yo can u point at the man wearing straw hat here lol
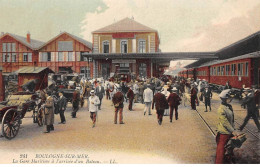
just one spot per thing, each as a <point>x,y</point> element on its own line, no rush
<point>93,107</point>
<point>148,98</point>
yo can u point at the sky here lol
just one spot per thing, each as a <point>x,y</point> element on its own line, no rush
<point>183,25</point>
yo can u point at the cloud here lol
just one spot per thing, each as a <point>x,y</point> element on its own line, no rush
<point>201,25</point>
<point>221,33</point>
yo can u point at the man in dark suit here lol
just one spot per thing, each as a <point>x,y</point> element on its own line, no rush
<point>75,103</point>
<point>118,101</point>
<point>130,96</point>
<point>193,96</point>
<point>257,98</point>
<point>62,107</point>
<point>99,91</point>
<point>207,95</point>
<point>160,105</point>
<point>174,102</point>
<point>249,101</point>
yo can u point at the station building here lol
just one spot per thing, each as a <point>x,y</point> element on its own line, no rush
<point>64,53</point>
<point>17,51</point>
<point>124,47</point>
<point>125,37</point>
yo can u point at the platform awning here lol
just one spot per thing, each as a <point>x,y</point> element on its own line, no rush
<point>30,70</point>
<point>168,56</point>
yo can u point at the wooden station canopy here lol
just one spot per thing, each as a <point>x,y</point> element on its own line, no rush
<point>158,56</point>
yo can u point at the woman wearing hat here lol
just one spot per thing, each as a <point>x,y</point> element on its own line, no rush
<point>166,94</point>
<point>225,127</point>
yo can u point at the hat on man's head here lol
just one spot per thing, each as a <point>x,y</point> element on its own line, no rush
<point>225,94</point>
<point>92,92</point>
<point>61,91</point>
<point>247,89</point>
<point>174,89</point>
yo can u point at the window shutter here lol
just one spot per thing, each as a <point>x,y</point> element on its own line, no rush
<point>52,56</point>
<point>40,56</point>
<point>134,45</point>
<point>29,57</point>
<point>65,56</point>
<point>113,45</point>
<point>78,56</point>
<point>73,56</point>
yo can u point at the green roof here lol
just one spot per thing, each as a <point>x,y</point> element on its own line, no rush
<point>34,70</point>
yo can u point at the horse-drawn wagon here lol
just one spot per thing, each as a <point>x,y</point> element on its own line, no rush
<point>13,110</point>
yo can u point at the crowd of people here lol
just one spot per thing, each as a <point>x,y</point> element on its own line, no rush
<point>165,95</point>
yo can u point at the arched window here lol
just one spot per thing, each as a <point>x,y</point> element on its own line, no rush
<point>105,46</point>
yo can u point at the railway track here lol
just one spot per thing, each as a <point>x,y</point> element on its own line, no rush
<point>238,123</point>
<point>248,146</point>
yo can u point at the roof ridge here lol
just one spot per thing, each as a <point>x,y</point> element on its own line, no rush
<point>134,23</point>
<point>33,44</point>
<point>83,41</point>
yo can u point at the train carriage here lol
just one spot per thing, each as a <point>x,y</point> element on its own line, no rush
<point>239,71</point>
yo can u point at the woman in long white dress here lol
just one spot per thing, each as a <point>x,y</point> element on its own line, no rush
<point>166,93</point>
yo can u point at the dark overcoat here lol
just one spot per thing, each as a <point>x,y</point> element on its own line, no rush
<point>49,111</point>
<point>160,101</point>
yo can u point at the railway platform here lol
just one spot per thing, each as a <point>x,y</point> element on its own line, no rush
<point>140,140</point>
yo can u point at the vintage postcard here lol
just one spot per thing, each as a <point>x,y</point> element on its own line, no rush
<point>92,82</point>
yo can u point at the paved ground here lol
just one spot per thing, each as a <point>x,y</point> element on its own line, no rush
<point>140,140</point>
<point>249,152</point>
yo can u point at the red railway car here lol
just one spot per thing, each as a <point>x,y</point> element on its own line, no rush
<point>203,73</point>
<point>183,74</point>
<point>191,73</point>
<point>239,71</point>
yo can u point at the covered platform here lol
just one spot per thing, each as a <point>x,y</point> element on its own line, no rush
<point>140,64</point>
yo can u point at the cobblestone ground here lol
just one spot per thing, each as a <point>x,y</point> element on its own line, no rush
<point>139,140</point>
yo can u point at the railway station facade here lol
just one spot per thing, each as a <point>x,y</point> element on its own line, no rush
<point>65,52</point>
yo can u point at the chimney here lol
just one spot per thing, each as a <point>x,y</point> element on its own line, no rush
<point>2,33</point>
<point>28,37</point>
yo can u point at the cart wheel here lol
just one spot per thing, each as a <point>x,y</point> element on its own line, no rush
<point>35,120</point>
<point>11,123</point>
<point>40,116</point>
